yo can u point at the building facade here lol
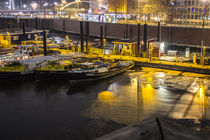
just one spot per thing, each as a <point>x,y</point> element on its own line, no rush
<point>190,12</point>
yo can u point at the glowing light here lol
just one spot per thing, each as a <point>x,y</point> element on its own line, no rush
<point>34,5</point>
<point>162,46</point>
<point>105,96</point>
<point>55,3</point>
<point>46,4</point>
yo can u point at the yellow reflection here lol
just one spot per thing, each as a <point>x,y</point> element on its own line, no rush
<point>170,72</point>
<point>189,74</point>
<point>148,94</point>
<point>202,95</point>
<point>105,96</point>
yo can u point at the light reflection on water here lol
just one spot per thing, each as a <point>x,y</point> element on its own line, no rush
<point>152,92</point>
<point>49,110</point>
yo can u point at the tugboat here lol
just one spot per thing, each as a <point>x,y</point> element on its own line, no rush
<point>76,72</point>
<point>81,77</point>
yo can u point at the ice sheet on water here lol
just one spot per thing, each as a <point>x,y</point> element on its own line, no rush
<point>164,79</point>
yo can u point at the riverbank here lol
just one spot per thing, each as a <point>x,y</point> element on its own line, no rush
<point>162,128</point>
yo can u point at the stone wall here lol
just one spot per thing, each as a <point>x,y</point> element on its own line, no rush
<point>179,35</point>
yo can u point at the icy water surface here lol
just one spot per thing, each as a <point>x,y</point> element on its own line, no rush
<point>54,110</point>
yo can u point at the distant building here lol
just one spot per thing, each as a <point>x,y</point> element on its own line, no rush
<point>126,6</point>
<point>11,5</point>
<point>98,4</point>
<point>190,11</point>
<point>117,6</point>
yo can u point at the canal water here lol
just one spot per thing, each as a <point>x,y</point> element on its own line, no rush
<point>55,110</point>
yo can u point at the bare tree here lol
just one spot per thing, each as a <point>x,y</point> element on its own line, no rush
<point>115,5</point>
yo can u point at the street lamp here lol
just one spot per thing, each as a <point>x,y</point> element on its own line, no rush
<point>24,6</point>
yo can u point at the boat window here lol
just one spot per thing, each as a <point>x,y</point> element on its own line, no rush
<point>29,36</point>
<point>15,37</point>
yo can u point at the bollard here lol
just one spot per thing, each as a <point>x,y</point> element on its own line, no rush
<point>81,36</point>
<point>194,58</point>
<point>45,43</point>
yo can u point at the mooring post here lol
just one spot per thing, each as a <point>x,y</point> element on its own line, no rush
<point>138,40</point>
<point>159,33</point>
<point>64,24</point>
<point>24,32</point>
<point>126,31</point>
<point>105,30</point>
<point>169,34</point>
<point>45,43</point>
<point>145,38</point>
<point>36,22</point>
<point>87,37</point>
<point>131,31</point>
<point>81,36</point>
<point>102,37</point>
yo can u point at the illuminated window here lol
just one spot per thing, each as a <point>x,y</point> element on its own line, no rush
<point>15,37</point>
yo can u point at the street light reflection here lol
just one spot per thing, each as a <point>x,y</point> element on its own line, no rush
<point>105,96</point>
<point>149,92</point>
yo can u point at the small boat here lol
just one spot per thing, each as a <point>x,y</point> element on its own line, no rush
<point>21,69</point>
<point>86,77</point>
<point>85,71</point>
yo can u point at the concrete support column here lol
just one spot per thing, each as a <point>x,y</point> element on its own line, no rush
<point>101,44</point>
<point>45,43</point>
<point>145,38</point>
<point>81,36</point>
<point>138,39</point>
<point>159,33</point>
<point>87,36</point>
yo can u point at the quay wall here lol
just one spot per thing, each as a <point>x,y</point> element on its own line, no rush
<point>178,35</point>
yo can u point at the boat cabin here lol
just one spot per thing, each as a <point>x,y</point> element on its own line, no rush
<point>18,37</point>
<point>27,49</point>
<point>125,47</point>
<point>10,57</point>
<point>11,66</point>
